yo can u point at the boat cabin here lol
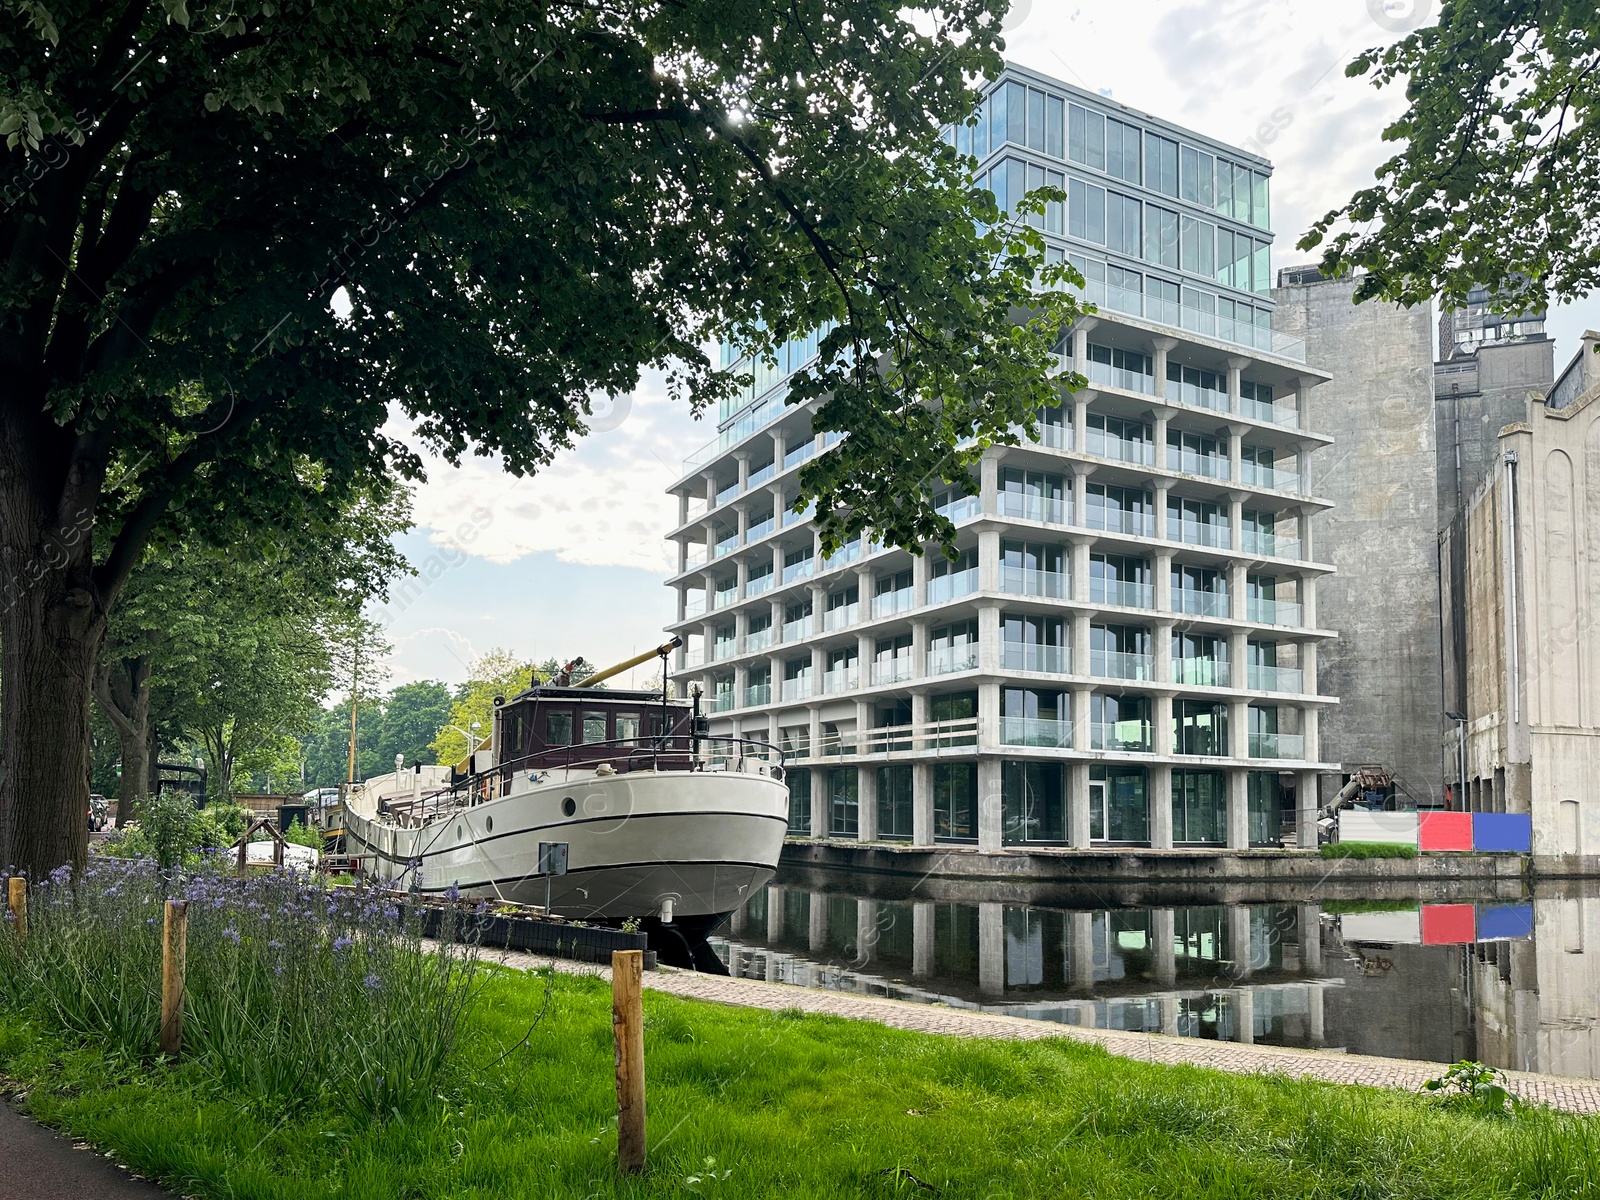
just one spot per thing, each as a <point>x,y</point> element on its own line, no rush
<point>550,726</point>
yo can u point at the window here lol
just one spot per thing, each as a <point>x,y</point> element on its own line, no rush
<point>1113,366</point>
<point>1120,723</point>
<point>1032,803</point>
<point>955,802</point>
<point>1118,509</point>
<point>1200,660</point>
<point>844,808</point>
<point>1258,201</point>
<point>594,727</point>
<point>1265,795</point>
<point>1122,150</point>
<point>1161,237</point>
<point>558,729</point>
<point>953,647</point>
<point>1123,232</point>
<point>1160,164</point>
<point>1235,252</point>
<point>954,707</point>
<point>1198,249</point>
<point>759,579</point>
<point>1119,579</point>
<point>1016,97</point>
<point>799,803</point>
<point>1086,137</point>
<point>1199,807</point>
<point>1034,495</point>
<point>627,727</point>
<point>1119,808</point>
<point>1086,212</point>
<point>894,803</point>
<point>1035,117</point>
<point>1053,218</point>
<point>1032,643</point>
<point>1054,113</point>
<point>1196,176</point>
<point>1200,727</point>
<point>1262,268</point>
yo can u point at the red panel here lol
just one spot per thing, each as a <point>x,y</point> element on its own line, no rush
<point>1447,924</point>
<point>1445,831</point>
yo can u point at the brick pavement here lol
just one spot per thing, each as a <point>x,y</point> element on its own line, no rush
<point>1559,1092</point>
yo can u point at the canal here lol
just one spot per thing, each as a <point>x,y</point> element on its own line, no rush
<point>1510,978</point>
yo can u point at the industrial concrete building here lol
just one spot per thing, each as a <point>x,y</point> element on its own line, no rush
<point>1522,625</point>
<point>1124,650</point>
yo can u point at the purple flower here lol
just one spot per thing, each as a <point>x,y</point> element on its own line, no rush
<point>274,945</point>
<point>373,982</point>
<point>452,892</point>
<point>231,934</point>
<point>61,874</point>
<point>342,943</point>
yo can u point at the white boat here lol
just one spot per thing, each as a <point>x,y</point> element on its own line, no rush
<point>660,821</point>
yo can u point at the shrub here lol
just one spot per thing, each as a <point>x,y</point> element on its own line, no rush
<point>293,991</point>
<point>174,832</point>
<point>301,836</point>
<point>1368,850</point>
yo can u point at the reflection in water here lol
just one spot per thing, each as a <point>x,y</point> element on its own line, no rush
<point>1395,978</point>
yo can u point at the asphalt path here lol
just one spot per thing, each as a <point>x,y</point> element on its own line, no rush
<point>39,1164</point>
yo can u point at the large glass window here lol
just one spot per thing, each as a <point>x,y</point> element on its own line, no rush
<point>1200,660</point>
<point>953,647</point>
<point>1035,717</point>
<point>1118,509</point>
<point>558,729</point>
<point>1120,723</point>
<point>800,802</point>
<point>1161,236</point>
<point>1119,579</point>
<point>894,803</point>
<point>1055,114</point>
<point>1032,801</point>
<point>1160,164</point>
<point>1033,495</point>
<point>844,809</point>
<point>1086,212</point>
<point>960,708</point>
<point>1086,137</point>
<point>1124,229</point>
<point>949,578</point>
<point>1033,569</point>
<point>1119,806</point>
<point>1264,790</point>
<point>1122,150</point>
<point>1199,247</point>
<point>1200,727</point>
<point>1032,643</point>
<point>1199,807</point>
<point>1196,176</point>
<point>1115,367</point>
<point>955,802</point>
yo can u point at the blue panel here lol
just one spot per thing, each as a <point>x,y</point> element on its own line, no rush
<point>1502,831</point>
<point>1505,921</point>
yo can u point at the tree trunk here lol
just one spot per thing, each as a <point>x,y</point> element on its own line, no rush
<point>122,689</point>
<point>50,637</point>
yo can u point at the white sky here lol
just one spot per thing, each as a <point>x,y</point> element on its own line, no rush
<point>573,561</point>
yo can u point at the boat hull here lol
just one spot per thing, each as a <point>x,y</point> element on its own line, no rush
<point>690,843</point>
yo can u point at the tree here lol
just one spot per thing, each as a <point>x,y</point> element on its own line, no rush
<point>412,716</point>
<point>497,673</point>
<point>523,205</point>
<point>1498,181</point>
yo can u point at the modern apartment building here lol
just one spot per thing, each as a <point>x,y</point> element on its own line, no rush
<point>1123,651</point>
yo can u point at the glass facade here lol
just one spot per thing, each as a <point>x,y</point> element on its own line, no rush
<point>844,809</point>
<point>1033,803</point>
<point>799,803</point>
<point>1119,805</point>
<point>955,802</point>
<point>1199,807</point>
<point>894,803</point>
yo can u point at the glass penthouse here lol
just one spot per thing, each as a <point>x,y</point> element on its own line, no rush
<point>1124,651</point>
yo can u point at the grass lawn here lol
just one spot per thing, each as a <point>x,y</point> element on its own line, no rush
<point>791,1106</point>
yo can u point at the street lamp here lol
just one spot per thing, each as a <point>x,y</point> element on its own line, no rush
<point>1461,755</point>
<point>472,739</point>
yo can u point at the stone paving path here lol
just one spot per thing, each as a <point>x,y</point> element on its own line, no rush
<point>1559,1092</point>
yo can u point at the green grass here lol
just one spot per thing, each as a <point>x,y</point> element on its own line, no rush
<point>1344,907</point>
<point>1368,850</point>
<point>793,1106</point>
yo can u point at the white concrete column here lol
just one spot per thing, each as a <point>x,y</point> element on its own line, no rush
<point>1244,1001</point>
<point>1159,494</point>
<point>1080,425</point>
<point>989,638</point>
<point>1161,654</point>
<point>1239,941</point>
<point>989,560</point>
<point>919,578</point>
<point>1308,667</point>
<point>1236,520</point>
<point>1079,571</point>
<point>1238,726</point>
<point>1238,810</point>
<point>1235,366</point>
<point>1161,579</point>
<point>1307,547</point>
<point>1236,452</point>
<point>991,949</point>
<point>922,939</point>
<point>683,507</point>
<point>1163,345</point>
<point>1169,1006</point>
<point>921,804</point>
<point>989,810</point>
<point>1238,575</point>
<point>1159,428</point>
<point>820,806</point>
<point>1078,805</point>
<point>779,441</point>
<point>1080,951</point>
<point>1160,792</point>
<point>867,799</point>
<point>989,481</point>
<point>818,924</point>
<point>1163,947</point>
<point>1316,1017</point>
<point>1306,802</point>
<point>1082,714</point>
<point>1310,722</point>
<point>1080,343</point>
<point>1308,599</point>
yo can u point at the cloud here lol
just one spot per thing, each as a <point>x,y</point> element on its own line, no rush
<point>431,653</point>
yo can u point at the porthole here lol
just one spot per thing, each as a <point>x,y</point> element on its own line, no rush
<point>488,824</point>
<point>569,806</point>
<point>458,833</point>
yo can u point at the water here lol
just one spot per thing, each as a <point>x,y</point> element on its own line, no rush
<point>1509,977</point>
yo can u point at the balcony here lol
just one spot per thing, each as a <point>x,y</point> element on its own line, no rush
<point>1274,414</point>
<point>841,617</point>
<point>846,553</point>
<point>797,689</point>
<point>1026,581</point>
<point>695,558</point>
<point>840,679</point>
<point>1199,603</point>
<point>1123,592</point>
<point>1036,731</point>
<point>760,529</point>
<point>757,584</point>
<point>761,475</point>
<point>1052,510</point>
<point>694,608</point>
<point>1116,664</point>
<point>1276,679</point>
<point>891,670</point>
<point>723,597</point>
<point>1195,395</point>
<point>1129,737</point>
<point>1272,612</point>
<point>694,658</point>
<point>935,735</point>
<point>1278,745</point>
<point>758,639</point>
<point>1270,545</point>
<point>726,494</point>
<point>1253,474</point>
<point>722,701</point>
<point>757,694</point>
<point>944,660</point>
<point>722,648</point>
<point>800,453</point>
<point>1120,449</point>
<point>1200,533</point>
<point>1201,672</point>
<point>964,509</point>
<point>799,570</point>
<point>1057,437</point>
<point>1106,375</point>
<point>1190,462</point>
<point>1019,656</point>
<point>948,587</point>
<point>798,630</point>
<point>886,604</point>
<point>1120,520</point>
<point>790,517</point>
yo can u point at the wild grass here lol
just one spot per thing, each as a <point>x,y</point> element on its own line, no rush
<point>1368,850</point>
<point>746,1103</point>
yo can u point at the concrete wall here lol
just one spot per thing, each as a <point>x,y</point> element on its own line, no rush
<point>1382,533</point>
<point>1470,420</point>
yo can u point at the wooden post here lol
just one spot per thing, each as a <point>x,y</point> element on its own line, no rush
<point>244,840</point>
<point>627,1022</point>
<point>174,953</point>
<point>17,901</point>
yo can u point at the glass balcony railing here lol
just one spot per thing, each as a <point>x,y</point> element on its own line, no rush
<point>760,529</point>
<point>726,494</point>
<point>757,584</point>
<point>948,587</point>
<point>840,679</point>
<point>726,546</point>
<point>1034,508</point>
<point>1057,437</point>
<point>1124,592</point>
<point>1120,520</point>
<point>1272,612</point>
<point>1201,672</point>
<point>695,558</point>
<point>1131,737</point>
<point>797,689</point>
<point>694,658</point>
<point>1115,664</point>
<point>1198,603</point>
<point>722,701</point>
<point>1018,656</point>
<point>846,553</point>
<point>964,509</point>
<point>790,517</point>
<point>758,639</point>
<point>891,670</point>
<point>944,660</point>
<point>1276,414</point>
<point>1190,462</point>
<point>1270,545</point>
<point>721,650</point>
<point>797,630</point>
<point>724,597</point>
<point>1276,679</point>
<point>798,455</point>
<point>1278,745</point>
<point>1199,533</point>
<point>799,570</point>
<point>1105,375</point>
<point>886,604</point>
<point>1120,449</point>
<point>842,617</point>
<point>694,608</point>
<point>761,475</point>
<point>1036,731</point>
<point>1199,397</point>
<point>1027,581</point>
<point>757,694</point>
<point>1254,474</point>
